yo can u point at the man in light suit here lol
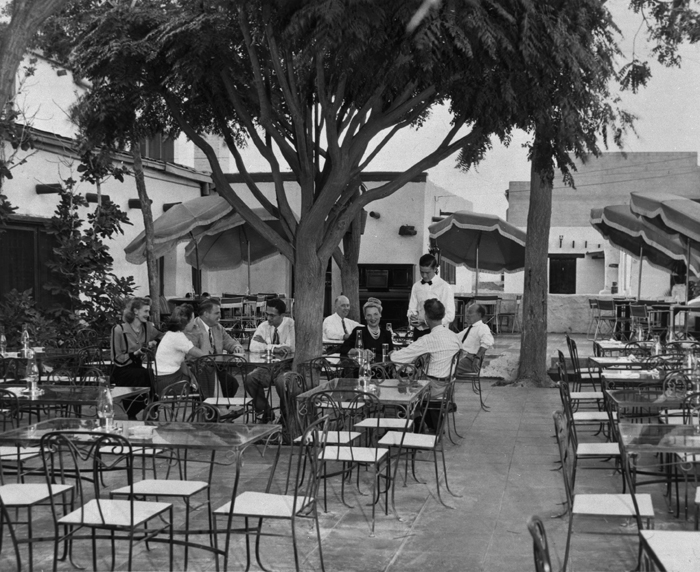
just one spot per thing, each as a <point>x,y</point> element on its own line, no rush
<point>209,335</point>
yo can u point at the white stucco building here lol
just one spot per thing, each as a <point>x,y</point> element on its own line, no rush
<point>176,173</point>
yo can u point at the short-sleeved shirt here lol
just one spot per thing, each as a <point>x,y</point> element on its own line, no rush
<point>171,352</point>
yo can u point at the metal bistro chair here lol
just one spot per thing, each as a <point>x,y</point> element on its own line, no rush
<point>509,312</point>
<point>413,442</point>
<point>234,366</point>
<point>606,318</point>
<point>184,488</point>
<point>540,548</point>
<point>594,505</point>
<point>73,458</point>
<point>301,504</point>
<point>19,495</point>
<point>360,406</point>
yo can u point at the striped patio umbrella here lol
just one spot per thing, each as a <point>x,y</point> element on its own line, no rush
<point>182,222</point>
<point>479,241</point>
<point>676,215</point>
<point>641,240</point>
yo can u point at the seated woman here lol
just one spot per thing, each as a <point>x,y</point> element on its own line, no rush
<point>373,335</point>
<point>130,341</point>
<point>174,348</point>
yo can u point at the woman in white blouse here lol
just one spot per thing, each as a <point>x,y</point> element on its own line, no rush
<point>174,348</point>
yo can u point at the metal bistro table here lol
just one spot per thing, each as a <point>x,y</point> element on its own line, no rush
<point>639,401</point>
<point>225,437</point>
<point>67,395</point>
<point>391,391</point>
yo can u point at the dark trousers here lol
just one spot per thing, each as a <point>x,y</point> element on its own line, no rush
<point>207,379</point>
<point>132,376</point>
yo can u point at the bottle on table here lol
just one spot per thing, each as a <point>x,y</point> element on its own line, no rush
<point>358,340</point>
<point>32,371</point>
<point>365,372</point>
<point>3,342</point>
<point>105,405</point>
<point>24,340</point>
<point>658,350</point>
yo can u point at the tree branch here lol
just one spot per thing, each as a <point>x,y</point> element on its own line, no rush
<point>222,185</point>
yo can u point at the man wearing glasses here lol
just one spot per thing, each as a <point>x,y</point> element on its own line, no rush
<point>278,332</point>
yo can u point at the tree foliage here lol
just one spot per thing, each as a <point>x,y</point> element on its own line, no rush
<point>82,270</point>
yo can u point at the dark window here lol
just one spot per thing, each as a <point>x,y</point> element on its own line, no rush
<point>562,275</point>
<point>448,272</point>
<point>25,248</point>
<point>159,148</point>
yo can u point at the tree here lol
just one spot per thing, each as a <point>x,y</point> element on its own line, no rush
<point>311,91</point>
<point>323,87</point>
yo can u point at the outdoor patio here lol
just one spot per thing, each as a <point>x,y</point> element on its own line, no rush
<point>503,468</point>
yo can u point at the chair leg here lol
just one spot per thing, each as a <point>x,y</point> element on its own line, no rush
<point>257,545</point>
<point>444,470</point>
<point>247,545</point>
<point>437,481</point>
<point>318,536</point>
<point>568,541</point>
<point>375,478</point>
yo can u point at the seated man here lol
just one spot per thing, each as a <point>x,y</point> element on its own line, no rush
<point>278,332</point>
<point>337,326</point>
<point>476,339</point>
<point>441,343</point>
<point>207,334</point>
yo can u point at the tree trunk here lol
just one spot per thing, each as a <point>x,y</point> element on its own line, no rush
<point>151,261</point>
<point>309,285</point>
<point>349,273</point>
<point>27,16</point>
<point>533,344</point>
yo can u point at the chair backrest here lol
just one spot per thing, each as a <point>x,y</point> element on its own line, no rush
<point>204,413</point>
<point>422,364</point>
<point>78,457</point>
<point>573,354</point>
<point>407,372</point>
<point>637,349</point>
<point>638,311</point>
<point>606,306</point>
<point>540,547</point>
<point>10,413</point>
<point>691,409</point>
<point>177,390</point>
<point>173,409</point>
<point>293,384</point>
<point>566,455</point>
<point>454,362</point>
<point>309,469</point>
<point>327,403</point>
<point>12,369</point>
<point>380,372</point>
<point>315,371</point>
<point>677,384</point>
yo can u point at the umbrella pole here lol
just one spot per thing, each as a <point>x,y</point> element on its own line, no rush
<point>478,242</point>
<point>687,278</point>
<point>198,287</point>
<point>248,262</point>
<point>639,280</point>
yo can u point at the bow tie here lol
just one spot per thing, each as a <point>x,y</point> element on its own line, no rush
<point>428,282</point>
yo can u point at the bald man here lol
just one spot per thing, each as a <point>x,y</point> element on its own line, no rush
<point>337,327</point>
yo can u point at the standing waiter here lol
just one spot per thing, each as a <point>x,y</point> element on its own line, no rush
<point>430,286</point>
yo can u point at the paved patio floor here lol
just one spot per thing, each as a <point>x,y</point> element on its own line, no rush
<point>503,472</point>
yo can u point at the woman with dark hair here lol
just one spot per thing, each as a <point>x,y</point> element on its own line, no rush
<point>130,341</point>
<point>174,348</point>
<point>373,334</point>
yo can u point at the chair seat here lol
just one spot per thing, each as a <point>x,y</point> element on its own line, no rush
<point>591,417</point>
<point>612,505</point>
<point>410,440</point>
<point>597,449</point>
<point>228,401</point>
<point>338,437</point>
<point>581,395</point>
<point>163,487</point>
<point>264,505</point>
<point>353,454</point>
<point>676,549</point>
<point>386,423</point>
<point>114,513</point>
<point>10,453</point>
<point>29,494</point>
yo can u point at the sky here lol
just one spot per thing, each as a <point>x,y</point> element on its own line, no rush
<point>668,112</point>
